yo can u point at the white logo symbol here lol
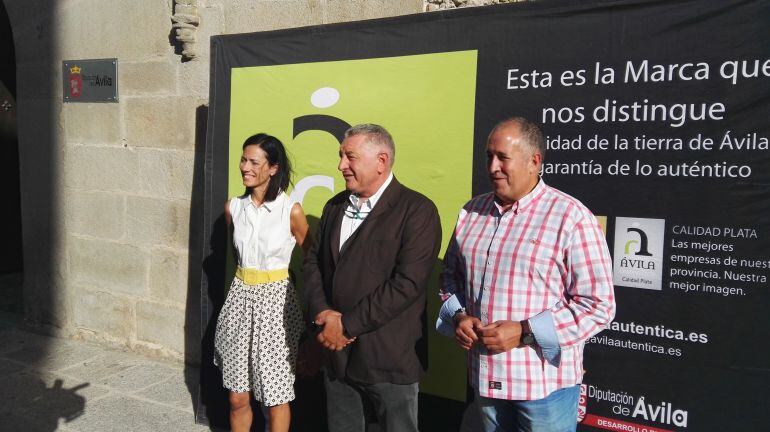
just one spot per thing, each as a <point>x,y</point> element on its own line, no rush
<point>324,97</point>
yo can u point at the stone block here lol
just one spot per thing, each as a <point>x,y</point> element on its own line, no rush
<point>148,78</point>
<point>212,23</point>
<point>39,133</point>
<point>87,123</point>
<point>194,75</point>
<point>40,185</point>
<point>160,324</point>
<point>95,214</point>
<point>124,29</point>
<point>39,81</point>
<point>162,222</point>
<point>108,266</point>
<point>103,312</point>
<point>34,33</point>
<point>245,16</point>
<point>355,10</point>
<point>168,276</point>
<point>185,9</point>
<point>167,123</point>
<point>42,287</point>
<point>101,168</point>
<point>167,174</point>
<point>28,13</point>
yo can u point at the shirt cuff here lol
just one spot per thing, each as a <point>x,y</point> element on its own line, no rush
<point>445,323</point>
<point>545,334</point>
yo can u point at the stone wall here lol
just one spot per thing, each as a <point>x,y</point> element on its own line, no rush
<point>107,189</point>
<point>433,5</point>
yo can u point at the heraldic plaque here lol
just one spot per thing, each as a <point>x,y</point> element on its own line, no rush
<point>93,80</point>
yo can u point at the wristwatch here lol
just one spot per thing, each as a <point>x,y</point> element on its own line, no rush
<point>527,337</point>
<point>457,313</point>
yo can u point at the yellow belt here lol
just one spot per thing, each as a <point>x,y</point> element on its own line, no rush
<point>254,276</point>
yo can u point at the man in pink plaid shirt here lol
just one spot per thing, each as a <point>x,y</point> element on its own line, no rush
<point>527,280</point>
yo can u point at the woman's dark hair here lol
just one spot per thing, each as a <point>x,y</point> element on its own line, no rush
<point>276,155</point>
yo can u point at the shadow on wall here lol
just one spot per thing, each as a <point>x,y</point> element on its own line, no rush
<point>11,299</point>
<point>31,400</point>
<point>205,295</point>
<point>38,160</point>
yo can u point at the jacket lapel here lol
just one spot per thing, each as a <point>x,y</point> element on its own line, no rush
<point>336,223</point>
<point>383,206</point>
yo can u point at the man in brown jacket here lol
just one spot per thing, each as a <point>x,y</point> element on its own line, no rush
<point>365,287</point>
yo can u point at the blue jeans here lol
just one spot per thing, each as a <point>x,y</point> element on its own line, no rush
<point>556,412</point>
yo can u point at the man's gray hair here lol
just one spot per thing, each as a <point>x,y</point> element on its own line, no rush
<point>378,136</point>
<point>529,132</point>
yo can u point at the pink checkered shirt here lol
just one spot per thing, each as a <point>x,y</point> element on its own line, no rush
<point>547,253</point>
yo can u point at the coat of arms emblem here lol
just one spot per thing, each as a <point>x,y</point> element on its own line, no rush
<point>76,82</point>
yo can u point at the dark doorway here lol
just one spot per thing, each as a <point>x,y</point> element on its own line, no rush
<point>11,299</point>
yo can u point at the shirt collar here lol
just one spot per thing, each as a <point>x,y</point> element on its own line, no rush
<point>268,205</point>
<point>372,201</point>
<point>524,201</point>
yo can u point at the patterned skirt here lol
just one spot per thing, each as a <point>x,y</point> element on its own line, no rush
<point>256,340</point>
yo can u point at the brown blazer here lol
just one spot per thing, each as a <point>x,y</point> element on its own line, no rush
<point>378,282</point>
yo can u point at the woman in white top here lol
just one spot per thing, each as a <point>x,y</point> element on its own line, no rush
<point>260,323</point>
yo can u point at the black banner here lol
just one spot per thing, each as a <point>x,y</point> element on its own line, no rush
<point>656,116</point>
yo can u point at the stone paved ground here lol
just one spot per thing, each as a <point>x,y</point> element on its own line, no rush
<point>51,384</point>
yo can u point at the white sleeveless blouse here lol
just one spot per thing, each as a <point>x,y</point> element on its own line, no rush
<point>262,235</point>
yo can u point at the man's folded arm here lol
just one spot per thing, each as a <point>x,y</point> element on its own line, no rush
<point>590,298</point>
